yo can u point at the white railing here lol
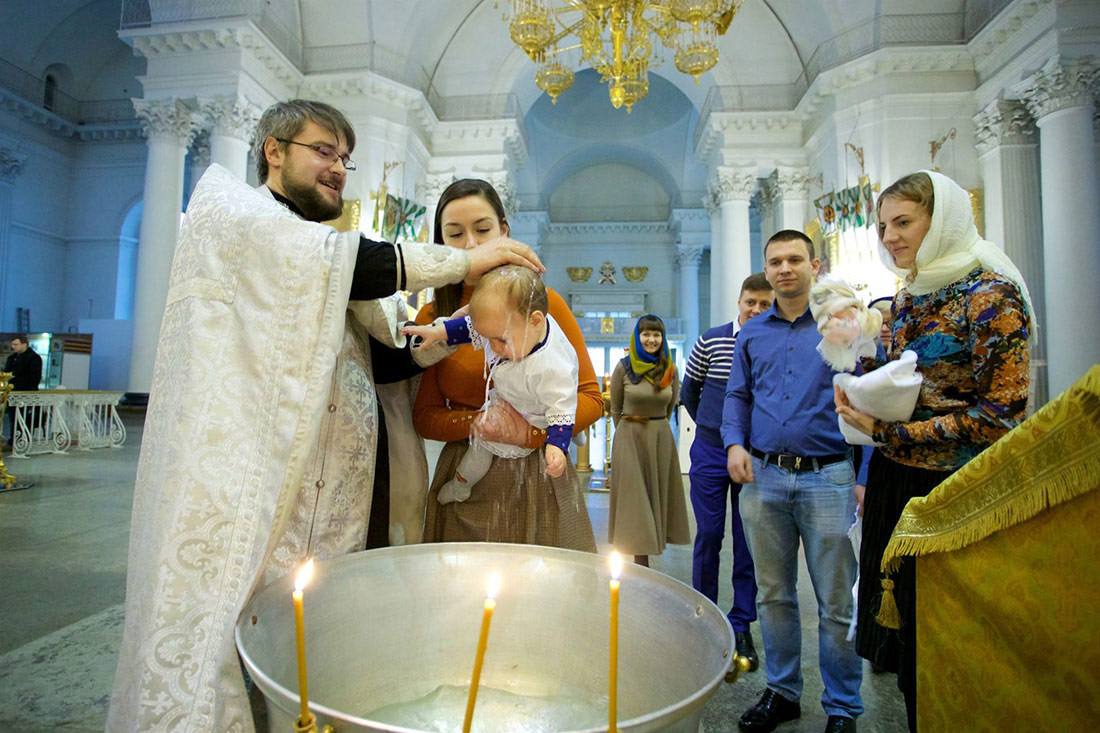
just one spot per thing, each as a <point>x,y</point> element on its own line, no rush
<point>43,419</point>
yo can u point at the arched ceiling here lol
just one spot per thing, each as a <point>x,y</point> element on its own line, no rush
<point>82,34</point>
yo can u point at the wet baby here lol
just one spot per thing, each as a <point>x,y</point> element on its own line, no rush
<point>531,363</point>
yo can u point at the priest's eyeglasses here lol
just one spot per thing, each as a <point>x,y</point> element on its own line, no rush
<point>324,152</point>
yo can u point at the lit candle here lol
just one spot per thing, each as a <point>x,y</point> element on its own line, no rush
<point>299,625</point>
<point>482,642</point>
<point>613,667</point>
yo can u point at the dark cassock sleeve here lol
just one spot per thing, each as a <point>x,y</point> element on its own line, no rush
<point>391,365</point>
<point>379,273</point>
<point>379,270</point>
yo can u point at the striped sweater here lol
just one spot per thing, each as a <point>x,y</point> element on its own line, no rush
<point>703,391</point>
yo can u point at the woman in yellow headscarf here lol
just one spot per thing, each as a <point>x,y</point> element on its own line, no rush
<point>647,490</point>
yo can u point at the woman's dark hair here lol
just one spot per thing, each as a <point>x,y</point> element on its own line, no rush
<point>448,298</point>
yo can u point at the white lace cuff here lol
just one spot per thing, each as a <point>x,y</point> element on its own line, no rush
<point>433,265</point>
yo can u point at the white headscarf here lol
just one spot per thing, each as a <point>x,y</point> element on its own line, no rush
<point>952,247</point>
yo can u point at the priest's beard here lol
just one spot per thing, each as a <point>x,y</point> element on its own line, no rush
<point>314,205</point>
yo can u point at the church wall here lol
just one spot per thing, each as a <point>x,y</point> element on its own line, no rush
<point>609,192</point>
<point>110,178</point>
<point>34,266</point>
<point>623,245</point>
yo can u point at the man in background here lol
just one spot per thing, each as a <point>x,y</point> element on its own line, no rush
<point>25,366</point>
<point>703,394</point>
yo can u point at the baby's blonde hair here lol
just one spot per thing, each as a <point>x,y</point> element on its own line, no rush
<point>520,288</point>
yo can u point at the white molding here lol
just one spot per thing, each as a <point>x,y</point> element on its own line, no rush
<point>36,115</point>
<point>1009,34</point>
<point>59,238</point>
<point>183,39</point>
<point>633,227</point>
<point>847,76</point>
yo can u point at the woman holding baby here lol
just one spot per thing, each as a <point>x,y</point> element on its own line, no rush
<point>517,500</point>
<point>964,309</point>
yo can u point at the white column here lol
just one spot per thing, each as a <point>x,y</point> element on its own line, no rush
<point>793,188</point>
<point>198,156</point>
<point>1061,100</point>
<point>767,201</point>
<point>232,125</point>
<point>734,188</point>
<point>170,126</point>
<point>687,258</point>
<point>1008,156</point>
<point>714,210</point>
<point>11,165</point>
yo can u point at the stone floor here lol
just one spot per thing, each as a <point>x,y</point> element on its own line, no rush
<point>63,544</point>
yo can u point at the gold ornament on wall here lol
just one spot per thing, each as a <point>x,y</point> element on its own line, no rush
<point>635,274</point>
<point>607,274</point>
<point>978,207</point>
<point>348,221</point>
<point>579,274</point>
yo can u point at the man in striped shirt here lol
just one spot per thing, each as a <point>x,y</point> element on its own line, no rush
<point>703,393</point>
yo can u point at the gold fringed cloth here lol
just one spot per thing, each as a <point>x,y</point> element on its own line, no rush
<point>1008,578</point>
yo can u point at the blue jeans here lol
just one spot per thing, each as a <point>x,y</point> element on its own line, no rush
<point>711,489</point>
<point>778,509</point>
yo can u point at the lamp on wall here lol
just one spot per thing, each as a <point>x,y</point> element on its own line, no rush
<point>616,38</point>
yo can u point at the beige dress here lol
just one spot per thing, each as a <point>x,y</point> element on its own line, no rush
<point>647,489</point>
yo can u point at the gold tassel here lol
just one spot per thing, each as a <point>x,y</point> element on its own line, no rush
<point>888,609</point>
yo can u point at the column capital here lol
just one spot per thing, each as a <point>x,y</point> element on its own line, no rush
<point>435,184</point>
<point>760,203</point>
<point>1004,122</point>
<point>505,187</point>
<point>231,116</point>
<point>200,149</point>
<point>11,165</point>
<point>689,255</point>
<point>732,184</point>
<point>168,119</point>
<point>792,182</point>
<point>711,203</point>
<point>1060,85</point>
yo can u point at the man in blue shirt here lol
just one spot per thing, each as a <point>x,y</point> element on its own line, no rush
<point>782,442</point>
<point>703,393</point>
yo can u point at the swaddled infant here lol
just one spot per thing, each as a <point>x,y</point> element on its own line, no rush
<point>848,327</point>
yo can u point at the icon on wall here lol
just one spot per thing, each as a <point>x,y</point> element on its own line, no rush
<point>607,274</point>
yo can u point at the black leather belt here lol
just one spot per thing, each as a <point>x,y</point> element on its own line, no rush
<point>798,463</point>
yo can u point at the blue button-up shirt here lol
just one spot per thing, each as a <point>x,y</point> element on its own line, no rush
<point>779,398</point>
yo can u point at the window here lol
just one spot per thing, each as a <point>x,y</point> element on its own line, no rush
<point>49,96</point>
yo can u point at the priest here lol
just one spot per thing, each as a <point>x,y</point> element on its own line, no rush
<point>261,439</point>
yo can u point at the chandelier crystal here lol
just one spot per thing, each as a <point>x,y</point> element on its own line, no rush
<point>616,38</point>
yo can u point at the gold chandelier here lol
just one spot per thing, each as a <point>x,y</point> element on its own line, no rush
<point>615,37</point>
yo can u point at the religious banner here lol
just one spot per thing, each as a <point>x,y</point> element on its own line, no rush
<point>400,218</point>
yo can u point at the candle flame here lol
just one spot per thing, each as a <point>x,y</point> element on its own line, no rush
<point>616,565</point>
<point>304,575</point>
<point>494,586</point>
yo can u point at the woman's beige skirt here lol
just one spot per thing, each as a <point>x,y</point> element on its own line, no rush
<point>647,490</point>
<point>515,502</point>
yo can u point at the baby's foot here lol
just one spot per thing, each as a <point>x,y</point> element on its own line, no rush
<point>457,489</point>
